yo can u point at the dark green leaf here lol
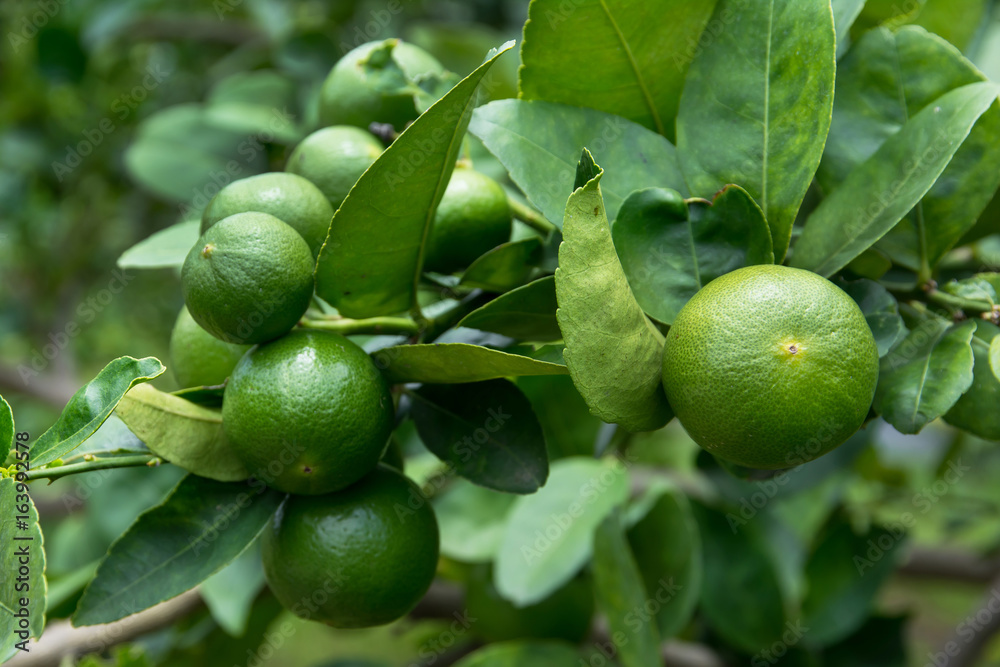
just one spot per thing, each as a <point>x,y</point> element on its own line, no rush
<point>881,312</point>
<point>201,526</point>
<point>633,67</point>
<point>472,521</point>
<point>668,254</point>
<point>620,592</point>
<point>613,352</point>
<point>184,433</point>
<point>91,405</point>
<point>540,142</point>
<point>548,537</point>
<point>976,411</point>
<point>21,555</point>
<point>504,267</point>
<point>756,105</point>
<point>166,248</point>
<point>229,593</point>
<point>449,363</point>
<point>570,429</point>
<point>371,262</point>
<point>7,424</point>
<point>881,190</point>
<point>925,374</point>
<point>486,431</point>
<point>526,313</point>
<point>523,654</point>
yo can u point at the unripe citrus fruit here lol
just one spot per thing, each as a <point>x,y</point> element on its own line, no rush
<point>308,413</point>
<point>291,198</point>
<point>334,158</point>
<point>473,217</point>
<point>770,367</point>
<point>371,550</point>
<point>198,358</point>
<point>248,279</point>
<point>361,88</point>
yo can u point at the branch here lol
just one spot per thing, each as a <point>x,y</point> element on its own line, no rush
<point>530,217</point>
<point>371,325</point>
<point>56,472</point>
<point>983,622</point>
<point>952,564</point>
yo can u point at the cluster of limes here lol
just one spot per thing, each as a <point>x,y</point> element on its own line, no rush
<point>307,411</point>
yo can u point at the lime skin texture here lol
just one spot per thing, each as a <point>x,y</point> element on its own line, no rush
<point>197,358</point>
<point>333,158</point>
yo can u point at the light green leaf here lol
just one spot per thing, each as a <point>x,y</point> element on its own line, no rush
<point>540,142</point>
<point>452,363</point>
<point>882,189</point>
<point>472,521</point>
<point>527,313</point>
<point>523,653</point>
<point>976,411</point>
<point>229,593</point>
<point>642,62</point>
<point>995,357</point>
<point>372,260</point>
<point>505,267</point>
<point>22,557</point>
<point>548,537</point>
<point>844,14</point>
<point>91,405</point>
<point>613,352</point>
<point>184,433</point>
<point>166,248</point>
<point>7,426</point>
<point>756,105</point>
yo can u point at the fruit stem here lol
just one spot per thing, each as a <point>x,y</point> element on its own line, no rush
<point>530,217</point>
<point>967,305</point>
<point>371,325</point>
<point>93,464</point>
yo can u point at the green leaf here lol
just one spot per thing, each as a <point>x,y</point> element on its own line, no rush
<point>452,363</point>
<point>570,429</point>
<point>667,546</point>
<point>22,554</point>
<point>229,593</point>
<point>756,105</point>
<point>620,592</point>
<point>540,142</point>
<point>843,578</point>
<point>166,248</point>
<point>485,431</point>
<point>254,103</point>
<point>526,313</point>
<point>613,352</point>
<point>633,67</point>
<point>371,262</point>
<point>504,267</point>
<point>91,405</point>
<point>7,426</point>
<point>200,527</point>
<point>669,252</point>
<point>184,433</point>
<point>976,287</point>
<point>113,438</point>
<point>880,310</point>
<point>741,595</point>
<point>925,374</point>
<point>976,411</point>
<point>882,189</point>
<point>994,357</point>
<point>887,78</point>
<point>523,653</point>
<point>472,521</point>
<point>844,14</point>
<point>548,537</point>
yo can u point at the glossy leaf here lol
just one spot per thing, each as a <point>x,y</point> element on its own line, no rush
<point>670,254</point>
<point>540,142</point>
<point>756,106</point>
<point>166,248</point>
<point>7,425</point>
<point>229,593</point>
<point>523,653</point>
<point>548,537</point>
<point>976,411</point>
<point>22,557</point>
<point>201,527</point>
<point>449,363</point>
<point>184,433</point>
<point>91,405</point>
<point>881,190</point>
<point>881,312</point>
<point>504,267</point>
<point>925,374</point>
<point>472,520</point>
<point>613,352</point>
<point>633,67</point>
<point>486,431</point>
<point>371,262</point>
<point>526,313</point>
<point>619,589</point>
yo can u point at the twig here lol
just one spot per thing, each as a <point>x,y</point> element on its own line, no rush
<point>963,649</point>
<point>371,325</point>
<point>94,464</point>
<point>951,564</point>
<point>530,217</point>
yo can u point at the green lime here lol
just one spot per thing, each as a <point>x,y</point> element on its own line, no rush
<point>365,85</point>
<point>248,279</point>
<point>308,413</point>
<point>334,159</point>
<point>198,358</point>
<point>356,558</point>
<point>473,217</point>
<point>770,367</point>
<point>288,197</point>
<point>565,614</point>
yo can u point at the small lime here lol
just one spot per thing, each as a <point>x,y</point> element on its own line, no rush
<point>198,358</point>
<point>334,158</point>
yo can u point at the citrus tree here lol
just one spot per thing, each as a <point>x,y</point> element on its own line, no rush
<point>429,364</point>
